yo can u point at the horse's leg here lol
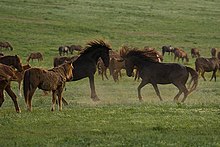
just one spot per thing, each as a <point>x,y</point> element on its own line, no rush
<point>202,74</point>
<point>59,94</point>
<point>13,97</point>
<point>1,97</point>
<point>142,84</point>
<point>157,90</point>
<point>185,91</point>
<point>105,73</point>
<point>92,87</point>
<point>19,88</point>
<point>213,75</point>
<point>28,100</point>
<point>53,100</point>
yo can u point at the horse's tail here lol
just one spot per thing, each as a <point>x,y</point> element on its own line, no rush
<point>26,85</point>
<point>194,78</point>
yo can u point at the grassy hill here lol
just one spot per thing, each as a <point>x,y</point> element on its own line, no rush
<point>118,119</point>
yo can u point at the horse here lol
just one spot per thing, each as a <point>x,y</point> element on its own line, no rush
<point>168,49</point>
<point>203,65</point>
<point>6,45</point>
<point>1,54</point>
<point>49,80</point>
<point>213,52</point>
<point>195,53</point>
<point>20,76</point>
<point>60,60</point>
<point>102,69</point>
<point>7,74</point>
<point>14,61</point>
<point>75,48</point>
<point>180,53</point>
<point>85,65</point>
<point>159,73</point>
<point>36,55</point>
<point>63,50</point>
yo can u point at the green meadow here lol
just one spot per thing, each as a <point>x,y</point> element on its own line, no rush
<point>118,119</point>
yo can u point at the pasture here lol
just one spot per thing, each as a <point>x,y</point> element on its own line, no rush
<point>119,119</point>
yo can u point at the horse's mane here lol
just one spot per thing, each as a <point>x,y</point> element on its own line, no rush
<point>141,54</point>
<point>94,45</point>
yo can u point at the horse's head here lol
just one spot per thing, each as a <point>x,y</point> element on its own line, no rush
<point>17,63</point>
<point>69,70</point>
<point>105,55</point>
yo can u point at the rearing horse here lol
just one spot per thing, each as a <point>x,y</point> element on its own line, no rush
<point>85,64</point>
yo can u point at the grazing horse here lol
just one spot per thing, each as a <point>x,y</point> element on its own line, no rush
<point>102,69</point>
<point>63,50</point>
<point>159,73</point>
<point>75,48</point>
<point>180,53</point>
<point>7,74</point>
<point>203,65</point>
<point>85,65</point>
<point>49,80</point>
<point>168,49</point>
<point>36,55</point>
<point>14,61</point>
<point>6,45</point>
<point>195,53</point>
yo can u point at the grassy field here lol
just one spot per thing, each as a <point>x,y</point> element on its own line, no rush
<point>119,119</point>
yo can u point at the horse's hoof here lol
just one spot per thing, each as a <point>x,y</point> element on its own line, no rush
<point>18,111</point>
<point>96,99</point>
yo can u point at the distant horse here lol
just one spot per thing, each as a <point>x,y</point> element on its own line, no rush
<point>85,64</point>
<point>168,49</point>
<point>203,65</point>
<point>6,45</point>
<point>1,54</point>
<point>63,50</point>
<point>75,48</point>
<point>49,80</point>
<point>195,53</point>
<point>213,52</point>
<point>60,60</point>
<point>7,74</point>
<point>159,73</point>
<point>36,55</point>
<point>14,61</point>
<point>180,53</point>
<point>20,76</point>
<point>102,69</point>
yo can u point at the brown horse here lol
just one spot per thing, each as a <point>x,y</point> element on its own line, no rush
<point>49,80</point>
<point>36,55</point>
<point>159,73</point>
<point>180,53</point>
<point>20,76</point>
<point>14,61</point>
<point>203,65</point>
<point>86,64</point>
<point>195,53</point>
<point>7,74</point>
<point>60,60</point>
<point>102,69</point>
<point>6,45</point>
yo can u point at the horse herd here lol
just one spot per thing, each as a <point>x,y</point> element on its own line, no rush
<point>98,54</point>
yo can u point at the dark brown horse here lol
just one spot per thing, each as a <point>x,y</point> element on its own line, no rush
<point>159,73</point>
<point>213,52</point>
<point>63,50</point>
<point>49,80</point>
<point>7,74</point>
<point>75,48</point>
<point>195,53</point>
<point>203,65</point>
<point>6,45</point>
<point>168,49</point>
<point>36,55</point>
<point>85,65</point>
<point>14,61</point>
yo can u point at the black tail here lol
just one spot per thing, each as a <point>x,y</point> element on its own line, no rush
<point>26,85</point>
<point>194,78</point>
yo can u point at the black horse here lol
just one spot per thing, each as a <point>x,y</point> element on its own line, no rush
<point>63,50</point>
<point>159,73</point>
<point>85,64</point>
<point>168,49</point>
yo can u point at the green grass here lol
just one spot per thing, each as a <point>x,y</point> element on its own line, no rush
<point>119,119</point>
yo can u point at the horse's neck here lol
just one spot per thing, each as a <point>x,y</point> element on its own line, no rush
<point>94,56</point>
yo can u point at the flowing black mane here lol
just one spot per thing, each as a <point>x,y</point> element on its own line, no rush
<point>94,45</point>
<point>141,54</point>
